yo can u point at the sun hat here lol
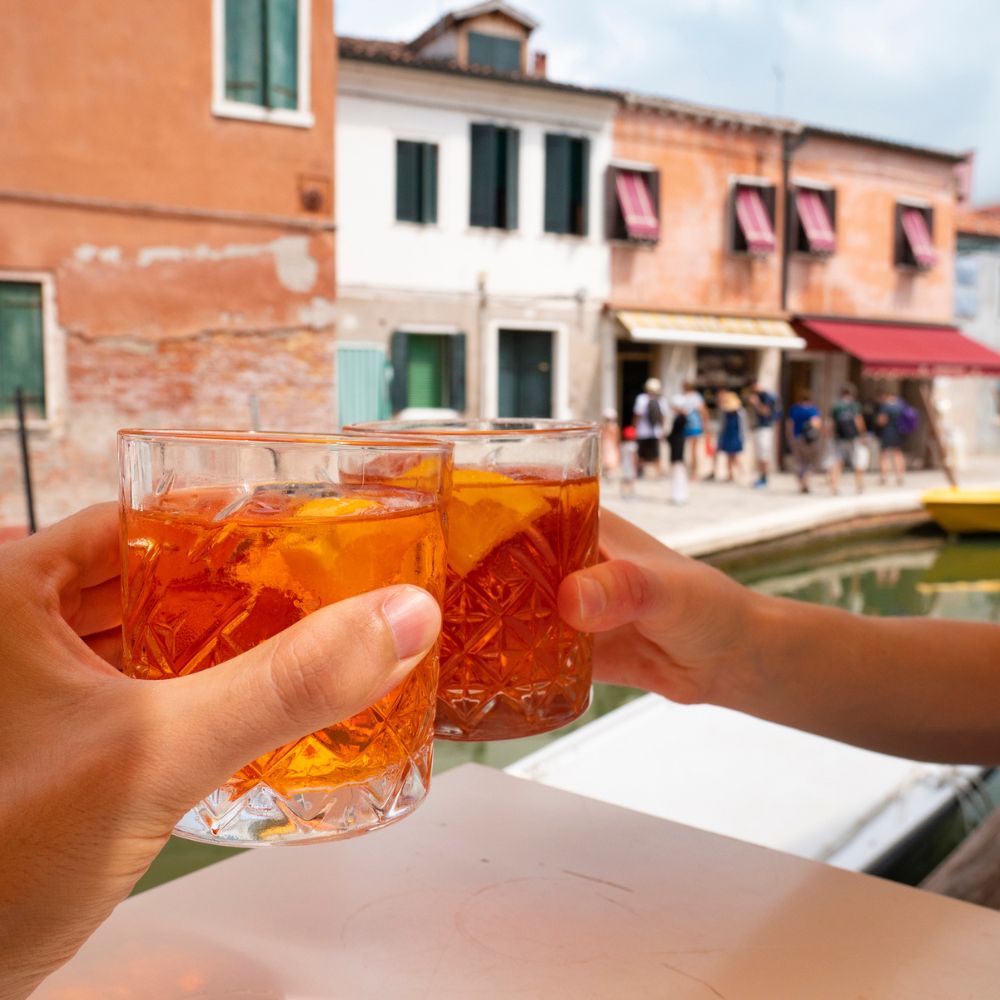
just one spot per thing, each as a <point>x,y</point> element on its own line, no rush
<point>653,385</point>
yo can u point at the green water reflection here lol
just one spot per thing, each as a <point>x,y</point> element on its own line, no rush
<point>894,576</point>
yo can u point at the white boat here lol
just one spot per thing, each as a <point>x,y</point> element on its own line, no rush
<point>757,781</point>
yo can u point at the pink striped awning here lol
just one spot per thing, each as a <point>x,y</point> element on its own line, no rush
<point>919,237</point>
<point>754,220</point>
<point>636,202</point>
<point>815,220</point>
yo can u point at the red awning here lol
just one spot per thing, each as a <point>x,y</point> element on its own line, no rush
<point>815,221</point>
<point>636,202</point>
<point>919,237</point>
<point>754,220</point>
<point>903,351</point>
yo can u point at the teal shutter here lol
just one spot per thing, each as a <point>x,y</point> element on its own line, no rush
<point>456,372</point>
<point>244,51</point>
<point>282,60</point>
<point>579,185</point>
<point>397,356</point>
<point>510,175</point>
<point>557,183</point>
<point>428,182</point>
<point>495,52</point>
<point>22,360</point>
<point>408,181</point>
<point>483,179</point>
<point>424,371</point>
<point>362,390</point>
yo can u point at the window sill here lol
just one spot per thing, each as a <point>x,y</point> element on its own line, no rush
<point>913,268</point>
<point>746,255</point>
<point>619,241</point>
<point>410,224</point>
<point>271,116</point>
<point>810,256</point>
<point>565,236</point>
<point>490,229</point>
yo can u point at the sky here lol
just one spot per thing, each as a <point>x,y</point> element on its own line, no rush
<point>918,71</point>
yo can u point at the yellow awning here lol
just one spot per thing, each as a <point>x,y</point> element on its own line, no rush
<point>710,331</point>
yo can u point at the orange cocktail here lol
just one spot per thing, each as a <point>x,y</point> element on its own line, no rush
<point>522,516</point>
<point>212,570</point>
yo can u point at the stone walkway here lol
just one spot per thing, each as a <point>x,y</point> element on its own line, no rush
<point>726,515</point>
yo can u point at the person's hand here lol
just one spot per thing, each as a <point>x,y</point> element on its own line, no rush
<point>85,801</point>
<point>664,623</point>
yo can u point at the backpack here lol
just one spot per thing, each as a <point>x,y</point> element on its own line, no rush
<point>654,412</point>
<point>908,420</point>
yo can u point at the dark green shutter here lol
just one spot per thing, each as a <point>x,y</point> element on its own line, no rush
<point>579,185</point>
<point>408,181</point>
<point>244,51</point>
<point>424,371</point>
<point>22,361</point>
<point>398,356</point>
<point>456,372</point>
<point>510,178</point>
<point>428,182</point>
<point>282,19</point>
<point>557,193</point>
<point>483,181</point>
<point>494,52</point>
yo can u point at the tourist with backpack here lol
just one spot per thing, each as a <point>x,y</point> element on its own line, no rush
<point>849,430</point>
<point>894,420</point>
<point>647,418</point>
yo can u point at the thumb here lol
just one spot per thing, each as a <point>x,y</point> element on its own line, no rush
<point>611,594</point>
<point>323,669</point>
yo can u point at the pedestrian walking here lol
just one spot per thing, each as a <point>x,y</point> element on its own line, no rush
<point>731,432</point>
<point>764,413</point>
<point>692,403</point>
<point>610,444</point>
<point>648,420</point>
<point>889,424</point>
<point>678,469</point>
<point>629,463</point>
<point>803,429</point>
<point>849,430</point>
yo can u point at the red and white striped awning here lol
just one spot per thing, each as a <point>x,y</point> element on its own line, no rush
<point>636,202</point>
<point>918,235</point>
<point>815,220</point>
<point>754,220</point>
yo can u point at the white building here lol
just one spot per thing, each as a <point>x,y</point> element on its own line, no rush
<point>472,256</point>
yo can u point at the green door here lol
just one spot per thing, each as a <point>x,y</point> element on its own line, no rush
<point>362,384</point>
<point>525,388</point>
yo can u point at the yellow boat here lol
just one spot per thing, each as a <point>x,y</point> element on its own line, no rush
<point>964,512</point>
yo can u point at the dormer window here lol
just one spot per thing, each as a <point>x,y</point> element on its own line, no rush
<point>494,52</point>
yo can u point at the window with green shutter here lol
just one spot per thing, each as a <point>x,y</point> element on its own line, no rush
<point>22,356</point>
<point>494,52</point>
<point>567,168</point>
<point>494,176</point>
<point>428,371</point>
<point>262,52</point>
<point>416,181</point>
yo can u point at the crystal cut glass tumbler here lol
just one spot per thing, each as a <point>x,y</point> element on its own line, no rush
<point>522,515</point>
<point>228,538</point>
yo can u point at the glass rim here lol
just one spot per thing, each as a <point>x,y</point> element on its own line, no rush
<point>347,439</point>
<point>479,427</point>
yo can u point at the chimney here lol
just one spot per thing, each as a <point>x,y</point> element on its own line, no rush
<point>540,65</point>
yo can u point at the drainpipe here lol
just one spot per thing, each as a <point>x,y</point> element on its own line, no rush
<point>789,146</point>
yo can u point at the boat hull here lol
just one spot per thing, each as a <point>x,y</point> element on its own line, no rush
<point>964,512</point>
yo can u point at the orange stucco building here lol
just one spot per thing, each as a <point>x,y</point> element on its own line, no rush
<point>166,234</point>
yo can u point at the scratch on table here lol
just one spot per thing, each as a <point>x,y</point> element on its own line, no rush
<point>594,878</point>
<point>694,978</point>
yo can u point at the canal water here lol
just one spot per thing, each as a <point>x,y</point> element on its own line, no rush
<point>884,575</point>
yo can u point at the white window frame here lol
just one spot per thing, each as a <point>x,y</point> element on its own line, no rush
<point>53,353</point>
<point>223,107</point>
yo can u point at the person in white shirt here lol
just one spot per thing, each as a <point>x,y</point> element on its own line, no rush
<point>691,403</point>
<point>647,418</point>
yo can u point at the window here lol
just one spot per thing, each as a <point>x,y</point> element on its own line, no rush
<point>966,287</point>
<point>262,60</point>
<point>416,181</point>
<point>914,242</point>
<point>494,52</point>
<point>428,371</point>
<point>752,218</point>
<point>22,356</point>
<point>567,165</point>
<point>494,177</point>
<point>632,203</point>
<point>812,214</point>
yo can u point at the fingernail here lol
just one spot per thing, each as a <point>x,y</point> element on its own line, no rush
<point>414,618</point>
<point>591,597</point>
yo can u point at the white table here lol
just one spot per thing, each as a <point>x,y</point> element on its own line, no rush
<point>498,887</point>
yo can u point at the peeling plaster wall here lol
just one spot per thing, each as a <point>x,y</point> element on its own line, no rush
<point>159,320</point>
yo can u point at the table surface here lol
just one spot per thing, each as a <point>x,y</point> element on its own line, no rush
<point>499,887</point>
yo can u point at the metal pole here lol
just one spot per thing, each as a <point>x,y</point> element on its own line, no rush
<point>22,429</point>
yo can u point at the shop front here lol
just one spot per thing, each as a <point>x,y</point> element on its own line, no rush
<point>900,359</point>
<point>713,352</point>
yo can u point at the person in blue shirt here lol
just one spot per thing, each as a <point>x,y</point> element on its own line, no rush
<point>764,409</point>
<point>802,431</point>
